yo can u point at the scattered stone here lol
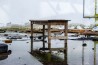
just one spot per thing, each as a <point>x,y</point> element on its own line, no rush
<point>84,44</point>
<point>19,57</point>
<point>5,34</point>
<point>27,42</point>
<point>92,48</point>
<point>45,41</point>
<point>9,52</point>
<point>73,48</point>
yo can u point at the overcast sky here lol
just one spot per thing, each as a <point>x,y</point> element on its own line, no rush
<point>21,11</point>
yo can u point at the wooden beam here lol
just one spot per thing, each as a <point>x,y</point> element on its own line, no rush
<point>45,22</point>
<point>57,23</point>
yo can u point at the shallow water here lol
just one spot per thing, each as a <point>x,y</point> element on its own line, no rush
<point>77,54</point>
<point>20,54</point>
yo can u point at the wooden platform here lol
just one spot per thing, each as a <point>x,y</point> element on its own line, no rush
<point>49,23</point>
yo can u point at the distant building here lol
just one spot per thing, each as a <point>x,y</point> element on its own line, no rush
<point>8,24</point>
<point>13,25</point>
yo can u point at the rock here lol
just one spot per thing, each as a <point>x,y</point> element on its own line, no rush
<point>84,44</point>
<point>3,48</point>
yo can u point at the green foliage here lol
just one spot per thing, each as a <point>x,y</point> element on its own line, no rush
<point>15,28</point>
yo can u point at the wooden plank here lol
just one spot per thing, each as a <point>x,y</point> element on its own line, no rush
<point>53,22</point>
<point>41,22</point>
<point>58,37</point>
<point>57,23</point>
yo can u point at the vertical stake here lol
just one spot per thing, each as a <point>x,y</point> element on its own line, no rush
<point>65,45</point>
<point>31,36</point>
<point>49,41</point>
<point>43,36</point>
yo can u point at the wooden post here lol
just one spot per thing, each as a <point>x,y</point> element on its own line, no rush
<point>65,45</point>
<point>31,36</point>
<point>49,42</point>
<point>43,36</point>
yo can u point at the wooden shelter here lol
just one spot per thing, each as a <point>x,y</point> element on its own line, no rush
<point>50,37</point>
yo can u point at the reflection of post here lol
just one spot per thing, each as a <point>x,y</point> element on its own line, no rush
<point>31,36</point>
<point>4,56</point>
<point>65,45</point>
<point>49,42</point>
<point>43,36</point>
<point>94,53</point>
<point>83,53</point>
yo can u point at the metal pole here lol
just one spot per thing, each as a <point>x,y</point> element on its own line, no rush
<point>96,11</point>
<point>83,8</point>
<point>95,6</point>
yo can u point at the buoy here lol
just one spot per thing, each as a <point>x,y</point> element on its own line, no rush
<point>8,41</point>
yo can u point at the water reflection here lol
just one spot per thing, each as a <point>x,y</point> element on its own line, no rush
<point>83,46</point>
<point>95,43</point>
<point>4,56</point>
<point>94,55</point>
